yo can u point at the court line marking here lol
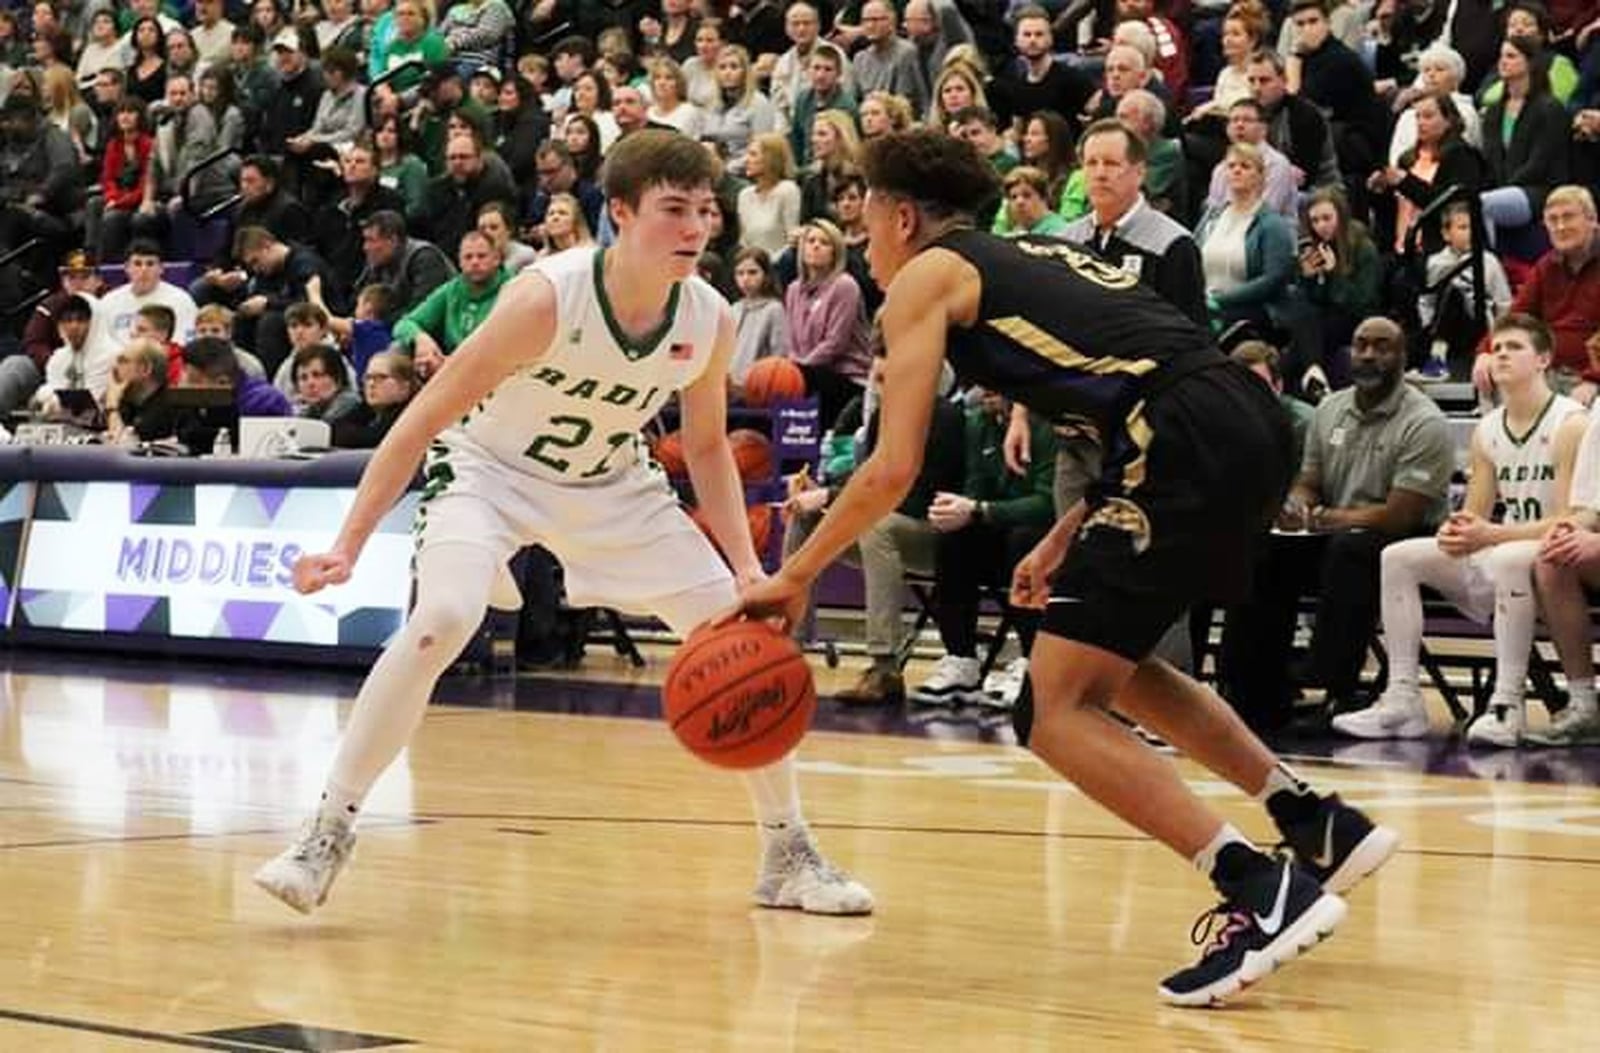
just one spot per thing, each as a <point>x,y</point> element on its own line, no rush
<point>968,831</point>
<point>137,1034</point>
<point>377,822</point>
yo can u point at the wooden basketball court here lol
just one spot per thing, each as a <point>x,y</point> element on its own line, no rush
<point>557,881</point>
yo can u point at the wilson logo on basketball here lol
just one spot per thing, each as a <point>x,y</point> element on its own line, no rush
<point>739,695</point>
<point>714,665</point>
<point>735,717</point>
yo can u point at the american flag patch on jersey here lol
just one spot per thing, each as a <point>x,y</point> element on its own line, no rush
<point>680,352</point>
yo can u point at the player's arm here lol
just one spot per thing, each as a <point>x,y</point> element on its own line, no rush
<point>1481,486</point>
<point>518,331</point>
<point>712,470</point>
<point>916,316</point>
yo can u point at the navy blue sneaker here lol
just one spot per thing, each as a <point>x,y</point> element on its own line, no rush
<point>1253,942</point>
<point>1339,846</point>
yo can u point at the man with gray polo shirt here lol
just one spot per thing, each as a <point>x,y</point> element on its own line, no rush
<point>1122,229</point>
<point>1376,469</point>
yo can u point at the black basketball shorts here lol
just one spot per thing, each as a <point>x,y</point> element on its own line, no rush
<point>1176,518</point>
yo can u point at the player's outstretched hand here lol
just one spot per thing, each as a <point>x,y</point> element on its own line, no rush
<point>778,599</point>
<point>315,572</point>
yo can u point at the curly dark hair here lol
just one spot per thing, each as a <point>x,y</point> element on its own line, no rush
<point>943,175</point>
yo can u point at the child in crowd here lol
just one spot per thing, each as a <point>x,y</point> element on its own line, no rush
<point>215,320</point>
<point>366,333</point>
<point>156,322</point>
<point>308,328</point>
<point>1454,306</point>
<point>758,314</point>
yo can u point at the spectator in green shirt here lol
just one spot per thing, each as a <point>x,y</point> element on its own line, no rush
<point>413,40</point>
<point>982,533</point>
<point>1027,206</point>
<point>437,326</point>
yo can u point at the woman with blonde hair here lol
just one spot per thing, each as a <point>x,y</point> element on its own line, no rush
<point>64,107</point>
<point>740,111</point>
<point>883,112</point>
<point>669,89</point>
<point>564,225</point>
<point>959,85</point>
<point>826,324</point>
<point>967,55</point>
<point>769,208</point>
<point>1246,250</point>
<point>835,149</point>
<point>1244,31</point>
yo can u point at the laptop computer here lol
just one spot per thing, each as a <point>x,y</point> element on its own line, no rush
<point>202,414</point>
<point>78,407</point>
<point>282,436</point>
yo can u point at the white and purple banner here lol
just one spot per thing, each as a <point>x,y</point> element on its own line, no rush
<point>15,500</point>
<point>210,561</point>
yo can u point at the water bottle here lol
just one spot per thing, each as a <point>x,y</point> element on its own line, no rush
<point>223,446</point>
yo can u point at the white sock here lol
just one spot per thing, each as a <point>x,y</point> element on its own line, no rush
<point>1205,860</point>
<point>775,792</point>
<point>453,583</point>
<point>1279,778</point>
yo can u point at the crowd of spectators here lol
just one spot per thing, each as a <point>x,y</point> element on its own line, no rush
<point>335,192</point>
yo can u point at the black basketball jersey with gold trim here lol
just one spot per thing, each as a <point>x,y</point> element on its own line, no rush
<point>1071,337</point>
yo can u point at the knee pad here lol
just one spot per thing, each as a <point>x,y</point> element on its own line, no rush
<point>1022,714</point>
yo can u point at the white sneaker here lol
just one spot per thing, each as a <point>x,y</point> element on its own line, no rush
<point>1002,689</point>
<point>1399,713</point>
<point>795,875</point>
<point>1500,725</point>
<point>953,680</point>
<point>303,873</point>
<point>1575,726</point>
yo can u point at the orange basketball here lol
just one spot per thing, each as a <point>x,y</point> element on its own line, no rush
<point>752,452</point>
<point>668,452</point>
<point>772,380</point>
<point>739,696</point>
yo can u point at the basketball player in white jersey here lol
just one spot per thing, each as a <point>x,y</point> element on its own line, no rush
<point>1569,565</point>
<point>1522,459</point>
<point>531,436</point>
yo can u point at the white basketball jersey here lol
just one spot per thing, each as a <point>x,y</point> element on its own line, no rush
<point>574,417</point>
<point>1525,465</point>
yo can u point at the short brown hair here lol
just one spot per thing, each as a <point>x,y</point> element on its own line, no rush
<point>164,318</point>
<point>249,239</point>
<point>943,175</point>
<point>654,157</point>
<point>1027,175</point>
<point>214,314</point>
<point>305,314</point>
<point>1253,353</point>
<point>380,296</point>
<point>1544,340</point>
<point>1112,126</point>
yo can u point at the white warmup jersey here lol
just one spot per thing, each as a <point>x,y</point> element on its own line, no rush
<point>550,456</point>
<point>1525,466</point>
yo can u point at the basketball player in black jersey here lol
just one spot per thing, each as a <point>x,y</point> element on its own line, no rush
<point>1196,455</point>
